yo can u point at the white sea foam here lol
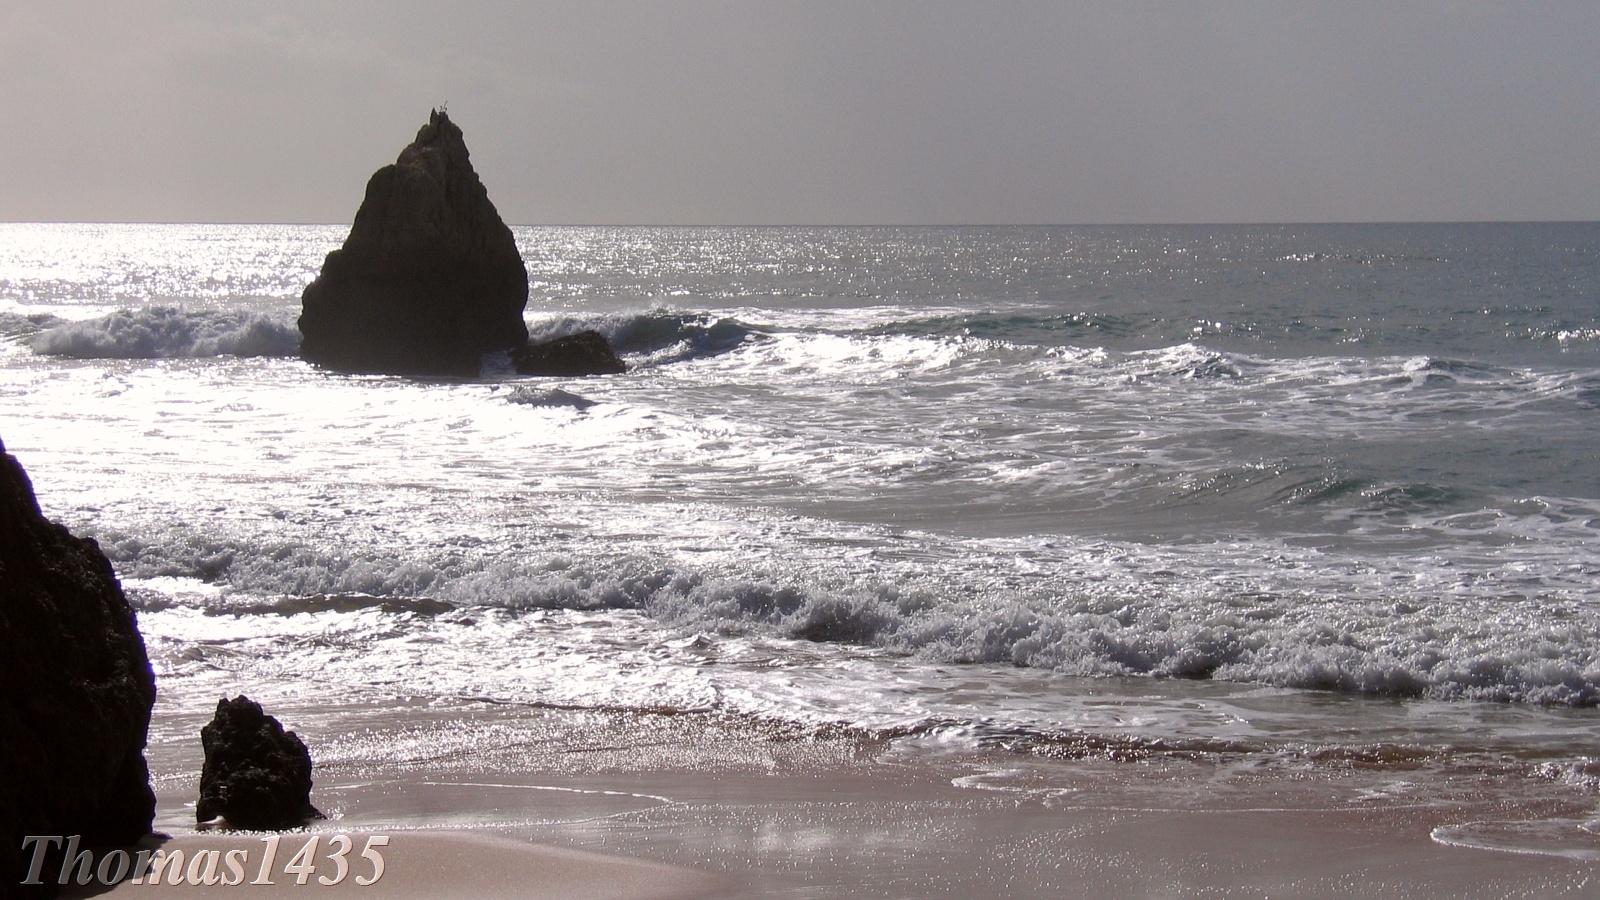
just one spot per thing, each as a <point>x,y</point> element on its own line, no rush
<point>1408,628</point>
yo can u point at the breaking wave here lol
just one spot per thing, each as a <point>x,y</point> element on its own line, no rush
<point>655,337</point>
<point>164,332</point>
<point>1121,623</point>
<point>26,324</point>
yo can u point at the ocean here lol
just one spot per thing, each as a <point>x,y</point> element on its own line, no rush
<point>1276,493</point>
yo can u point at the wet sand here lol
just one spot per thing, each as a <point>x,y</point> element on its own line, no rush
<point>482,799</point>
<point>417,864</point>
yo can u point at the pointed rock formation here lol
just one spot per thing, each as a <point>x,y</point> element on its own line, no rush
<point>429,279</point>
<point>75,688</point>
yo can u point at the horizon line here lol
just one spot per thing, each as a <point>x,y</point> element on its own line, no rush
<point>1172,224</point>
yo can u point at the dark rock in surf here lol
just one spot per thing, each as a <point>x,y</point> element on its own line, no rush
<point>584,353</point>
<point>256,776</point>
<point>429,279</point>
<point>78,688</point>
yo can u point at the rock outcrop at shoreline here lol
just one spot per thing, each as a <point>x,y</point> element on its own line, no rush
<point>256,776</point>
<point>78,688</point>
<point>429,279</point>
<point>584,353</point>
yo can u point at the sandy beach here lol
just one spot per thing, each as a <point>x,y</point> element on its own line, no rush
<point>495,800</point>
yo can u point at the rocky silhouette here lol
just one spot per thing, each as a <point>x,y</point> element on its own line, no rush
<point>78,688</point>
<point>584,353</point>
<point>429,279</point>
<point>256,776</point>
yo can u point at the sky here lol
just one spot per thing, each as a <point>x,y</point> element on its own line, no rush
<point>772,112</point>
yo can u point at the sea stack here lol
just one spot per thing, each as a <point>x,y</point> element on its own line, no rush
<point>78,688</point>
<point>429,279</point>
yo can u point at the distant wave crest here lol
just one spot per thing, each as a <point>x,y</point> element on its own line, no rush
<point>1023,328</point>
<point>164,332</point>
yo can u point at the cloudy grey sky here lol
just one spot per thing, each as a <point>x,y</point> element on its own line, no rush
<point>810,112</point>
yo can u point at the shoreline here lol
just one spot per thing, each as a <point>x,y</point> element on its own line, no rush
<point>482,797</point>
